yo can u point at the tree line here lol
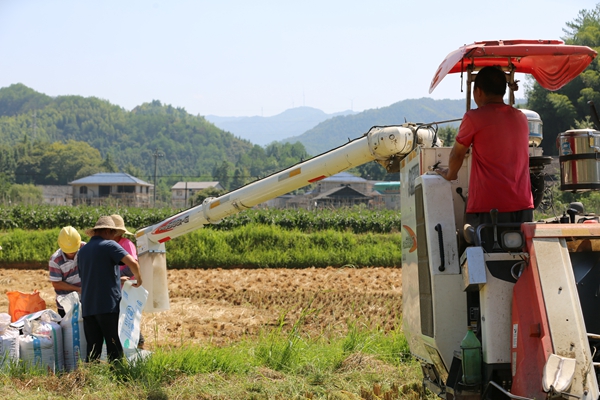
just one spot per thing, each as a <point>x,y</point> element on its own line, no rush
<point>53,141</point>
<point>568,107</point>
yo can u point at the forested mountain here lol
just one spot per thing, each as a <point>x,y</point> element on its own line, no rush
<point>336,131</point>
<point>265,130</point>
<point>47,140</point>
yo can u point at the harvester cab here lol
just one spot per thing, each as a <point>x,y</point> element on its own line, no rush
<point>529,293</point>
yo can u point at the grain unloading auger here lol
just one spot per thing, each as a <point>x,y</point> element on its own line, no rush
<point>532,296</point>
<point>386,145</point>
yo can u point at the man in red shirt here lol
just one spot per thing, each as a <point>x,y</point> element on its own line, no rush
<point>499,136</point>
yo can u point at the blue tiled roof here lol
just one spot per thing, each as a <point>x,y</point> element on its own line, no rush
<point>110,178</point>
<point>344,177</point>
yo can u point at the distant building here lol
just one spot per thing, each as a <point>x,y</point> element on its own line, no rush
<point>300,201</point>
<point>107,187</point>
<point>344,179</point>
<point>337,197</point>
<point>57,195</point>
<point>278,202</point>
<point>386,195</point>
<point>182,192</point>
<point>342,190</point>
<point>328,190</point>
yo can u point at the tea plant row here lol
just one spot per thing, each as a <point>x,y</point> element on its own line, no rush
<point>357,220</point>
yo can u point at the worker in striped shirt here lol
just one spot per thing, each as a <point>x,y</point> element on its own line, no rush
<point>63,271</point>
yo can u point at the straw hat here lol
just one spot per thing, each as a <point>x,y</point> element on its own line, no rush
<point>104,222</point>
<point>69,240</point>
<point>120,224</point>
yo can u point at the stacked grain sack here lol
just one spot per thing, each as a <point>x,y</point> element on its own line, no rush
<point>41,345</point>
<point>74,342</point>
<point>51,342</point>
<point>56,344</point>
<point>9,343</point>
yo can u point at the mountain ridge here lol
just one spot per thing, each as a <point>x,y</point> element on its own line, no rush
<point>265,130</point>
<point>338,130</point>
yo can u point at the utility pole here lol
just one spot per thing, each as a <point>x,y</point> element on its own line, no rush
<point>156,155</point>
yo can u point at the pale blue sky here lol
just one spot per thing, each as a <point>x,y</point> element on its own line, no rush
<point>256,57</point>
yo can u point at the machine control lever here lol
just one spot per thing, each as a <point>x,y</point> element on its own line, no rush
<point>572,213</point>
<point>459,191</point>
<point>442,266</point>
<point>494,215</point>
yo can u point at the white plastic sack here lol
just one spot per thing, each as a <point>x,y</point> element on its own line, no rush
<point>43,324</point>
<point>135,355</point>
<point>74,343</point>
<point>4,322</point>
<point>47,314</point>
<point>37,351</point>
<point>9,342</point>
<point>39,344</point>
<point>132,303</point>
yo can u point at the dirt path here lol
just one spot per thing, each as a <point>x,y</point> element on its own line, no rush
<point>221,306</point>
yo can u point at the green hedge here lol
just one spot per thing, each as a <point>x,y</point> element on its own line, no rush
<point>266,246</point>
<point>252,245</point>
<point>81,217</point>
<point>357,220</point>
<point>27,247</point>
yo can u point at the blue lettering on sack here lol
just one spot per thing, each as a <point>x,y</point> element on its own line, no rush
<point>37,351</point>
<point>128,322</point>
<point>75,326</point>
<point>55,345</point>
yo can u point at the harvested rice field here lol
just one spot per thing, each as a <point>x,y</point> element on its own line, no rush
<point>221,306</point>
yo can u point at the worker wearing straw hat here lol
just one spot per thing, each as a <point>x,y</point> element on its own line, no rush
<point>101,288</point>
<point>129,247</point>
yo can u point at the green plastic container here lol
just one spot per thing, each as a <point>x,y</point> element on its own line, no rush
<point>470,348</point>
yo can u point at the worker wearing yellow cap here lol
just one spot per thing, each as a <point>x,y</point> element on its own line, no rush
<point>64,273</point>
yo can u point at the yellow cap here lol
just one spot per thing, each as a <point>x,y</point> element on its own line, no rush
<point>69,240</point>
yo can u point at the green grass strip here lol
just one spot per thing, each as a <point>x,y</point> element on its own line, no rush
<point>252,245</point>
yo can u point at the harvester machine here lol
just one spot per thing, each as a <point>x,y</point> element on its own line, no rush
<point>508,311</point>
